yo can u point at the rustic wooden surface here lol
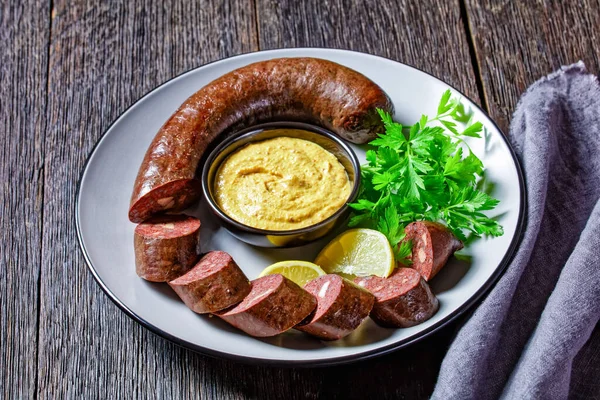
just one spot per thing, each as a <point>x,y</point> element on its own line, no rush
<point>70,68</point>
<point>23,100</point>
<point>517,42</point>
<point>429,35</point>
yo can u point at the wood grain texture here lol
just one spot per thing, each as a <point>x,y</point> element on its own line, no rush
<point>518,42</point>
<point>429,35</point>
<point>103,57</point>
<point>24,32</point>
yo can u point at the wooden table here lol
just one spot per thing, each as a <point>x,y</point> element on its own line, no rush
<point>69,69</point>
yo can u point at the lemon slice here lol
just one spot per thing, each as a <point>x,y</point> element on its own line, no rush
<point>300,272</point>
<point>358,252</point>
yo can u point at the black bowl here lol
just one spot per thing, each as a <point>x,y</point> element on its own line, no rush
<point>271,238</point>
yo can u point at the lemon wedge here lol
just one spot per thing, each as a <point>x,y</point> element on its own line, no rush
<point>300,272</point>
<point>358,252</point>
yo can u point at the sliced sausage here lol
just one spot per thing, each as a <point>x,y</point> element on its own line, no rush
<point>305,89</point>
<point>215,283</point>
<point>274,305</point>
<point>432,245</point>
<point>341,307</point>
<point>166,247</point>
<point>402,300</point>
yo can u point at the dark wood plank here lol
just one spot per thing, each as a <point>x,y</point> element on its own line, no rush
<point>24,33</point>
<point>518,42</point>
<point>103,57</point>
<point>429,35</point>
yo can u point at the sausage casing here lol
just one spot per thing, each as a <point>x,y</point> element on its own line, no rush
<point>301,89</point>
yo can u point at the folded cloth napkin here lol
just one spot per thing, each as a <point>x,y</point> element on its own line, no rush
<point>534,335</point>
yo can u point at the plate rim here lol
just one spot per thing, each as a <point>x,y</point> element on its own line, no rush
<point>346,359</point>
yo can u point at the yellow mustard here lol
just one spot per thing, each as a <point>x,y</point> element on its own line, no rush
<point>281,184</point>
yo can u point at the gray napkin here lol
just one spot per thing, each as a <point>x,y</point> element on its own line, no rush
<point>533,336</point>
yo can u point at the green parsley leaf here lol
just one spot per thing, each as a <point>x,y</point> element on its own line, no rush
<point>473,130</point>
<point>464,170</point>
<point>372,157</point>
<point>444,105</point>
<point>389,225</point>
<point>403,252</point>
<point>451,126</point>
<point>423,121</point>
<point>421,172</point>
<point>363,204</point>
<point>381,181</point>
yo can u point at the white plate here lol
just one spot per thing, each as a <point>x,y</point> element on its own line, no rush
<point>106,235</point>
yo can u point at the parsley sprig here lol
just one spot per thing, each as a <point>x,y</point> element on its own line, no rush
<point>425,171</point>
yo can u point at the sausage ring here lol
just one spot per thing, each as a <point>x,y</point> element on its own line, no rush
<point>305,89</point>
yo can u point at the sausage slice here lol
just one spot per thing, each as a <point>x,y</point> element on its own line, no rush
<point>432,246</point>
<point>402,300</point>
<point>166,247</point>
<point>305,89</point>
<point>341,307</point>
<point>274,305</point>
<point>214,284</point>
